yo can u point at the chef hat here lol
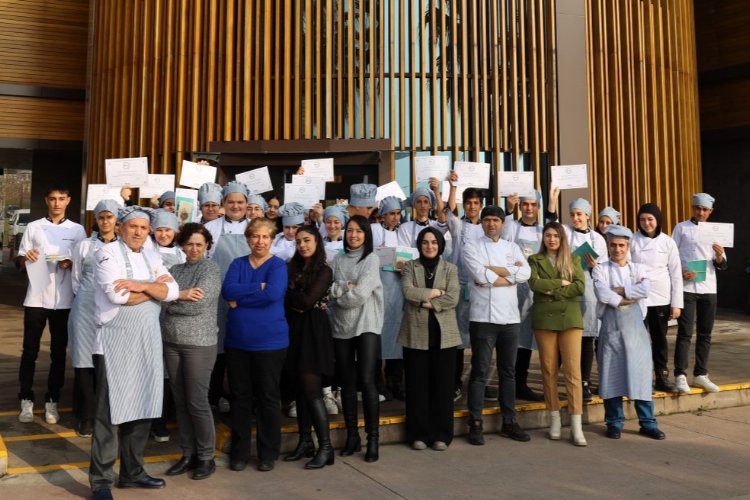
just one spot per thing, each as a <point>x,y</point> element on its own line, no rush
<point>703,200</point>
<point>234,187</point>
<point>389,204</point>
<point>166,195</point>
<point>422,191</point>
<point>582,205</point>
<point>536,197</point>
<point>256,199</point>
<point>610,212</point>
<point>292,213</point>
<point>107,206</point>
<point>362,195</point>
<point>336,211</point>
<point>209,192</point>
<point>615,231</point>
<point>134,212</point>
<point>164,218</point>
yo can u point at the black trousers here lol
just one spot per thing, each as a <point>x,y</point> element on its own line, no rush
<point>356,359</point>
<point>129,439</point>
<point>588,353</point>
<point>699,308</point>
<point>255,379</point>
<point>34,321</point>
<point>84,394</point>
<point>657,322</point>
<point>430,384</point>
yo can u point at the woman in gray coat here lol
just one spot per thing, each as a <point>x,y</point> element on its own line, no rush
<point>429,335</point>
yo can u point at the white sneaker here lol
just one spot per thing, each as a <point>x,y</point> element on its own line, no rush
<point>704,382</point>
<point>50,413</point>
<point>27,411</point>
<point>292,410</point>
<point>681,385</point>
<point>330,402</point>
<point>223,405</point>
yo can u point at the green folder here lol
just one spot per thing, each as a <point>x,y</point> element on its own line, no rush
<point>585,249</point>
<point>699,268</point>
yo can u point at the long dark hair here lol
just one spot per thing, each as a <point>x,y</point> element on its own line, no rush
<point>302,273</point>
<point>364,225</point>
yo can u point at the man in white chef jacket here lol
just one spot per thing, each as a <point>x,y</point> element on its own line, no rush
<point>131,283</point>
<point>45,253</point>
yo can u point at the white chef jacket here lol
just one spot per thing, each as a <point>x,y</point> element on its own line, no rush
<point>49,239</point>
<point>596,240</point>
<point>111,266</point>
<point>490,304</point>
<point>685,236</point>
<point>661,256</point>
<point>220,226</point>
<point>390,238</point>
<point>632,277</point>
<point>462,232</point>
<point>283,248</point>
<point>408,232</point>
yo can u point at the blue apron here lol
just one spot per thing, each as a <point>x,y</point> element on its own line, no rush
<point>393,299</point>
<point>228,248</point>
<point>82,319</point>
<point>526,338</point>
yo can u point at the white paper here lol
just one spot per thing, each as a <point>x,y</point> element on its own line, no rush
<point>520,183</point>
<point>38,273</point>
<point>257,181</point>
<point>473,174</point>
<point>156,185</point>
<point>194,175</point>
<point>391,189</point>
<point>570,176</point>
<point>186,201</point>
<point>431,166</point>
<point>716,232</point>
<point>301,193</point>
<point>445,191</point>
<point>98,192</point>
<point>393,258</point>
<point>316,182</point>
<point>319,167</point>
<point>131,172</point>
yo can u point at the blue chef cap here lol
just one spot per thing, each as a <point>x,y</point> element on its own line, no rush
<point>389,204</point>
<point>256,199</point>
<point>166,195</point>
<point>134,212</point>
<point>582,205</point>
<point>292,214</point>
<point>209,192</point>
<point>362,195</point>
<point>336,211</point>
<point>703,200</point>
<point>234,187</point>
<point>611,213</point>
<point>615,231</point>
<point>107,206</point>
<point>164,218</point>
<point>423,191</point>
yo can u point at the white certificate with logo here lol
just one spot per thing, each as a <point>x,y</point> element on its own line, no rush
<point>98,192</point>
<point>431,166</point>
<point>716,232</point>
<point>257,181</point>
<point>445,191</point>
<point>320,167</point>
<point>520,183</point>
<point>473,174</point>
<point>317,182</point>
<point>194,175</point>
<point>306,195</point>
<point>131,172</point>
<point>156,185</point>
<point>570,176</point>
<point>393,188</point>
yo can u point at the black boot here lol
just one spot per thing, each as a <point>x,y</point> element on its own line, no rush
<point>371,407</point>
<point>587,395</point>
<point>305,447</point>
<point>319,417</point>
<point>353,441</point>
<point>372,454</point>
<point>661,381</point>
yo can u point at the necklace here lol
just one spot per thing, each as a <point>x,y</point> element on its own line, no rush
<point>429,275</point>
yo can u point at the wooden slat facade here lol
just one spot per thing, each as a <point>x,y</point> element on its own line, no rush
<point>643,106</point>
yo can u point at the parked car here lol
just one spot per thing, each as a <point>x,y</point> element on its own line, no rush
<point>21,218</point>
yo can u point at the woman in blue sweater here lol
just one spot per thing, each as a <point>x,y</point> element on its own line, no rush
<point>255,345</point>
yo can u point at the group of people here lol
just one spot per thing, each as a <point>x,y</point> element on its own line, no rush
<point>260,293</point>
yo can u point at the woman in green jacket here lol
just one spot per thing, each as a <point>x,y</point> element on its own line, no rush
<point>557,282</point>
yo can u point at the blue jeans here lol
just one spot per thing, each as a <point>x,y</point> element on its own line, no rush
<point>615,417</point>
<point>486,337</point>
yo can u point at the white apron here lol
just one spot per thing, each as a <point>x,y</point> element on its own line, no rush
<point>529,247</point>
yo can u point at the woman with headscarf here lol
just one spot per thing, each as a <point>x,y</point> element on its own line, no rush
<point>429,336</point>
<point>659,252</point>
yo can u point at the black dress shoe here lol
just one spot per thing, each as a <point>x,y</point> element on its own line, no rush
<point>183,465</point>
<point>587,395</point>
<point>204,469</point>
<point>654,433</point>
<point>146,481</point>
<point>524,392</point>
<point>237,464</point>
<point>513,431</point>
<point>105,494</point>
<point>613,432</point>
<point>266,465</point>
<point>475,433</point>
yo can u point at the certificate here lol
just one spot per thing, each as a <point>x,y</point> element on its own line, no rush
<point>131,172</point>
<point>39,272</point>
<point>313,182</point>
<point>393,258</point>
<point>321,167</point>
<point>570,176</point>
<point>510,183</point>
<point>156,185</point>
<point>716,232</point>
<point>445,191</point>
<point>257,181</point>
<point>306,195</point>
<point>473,174</point>
<point>194,175</point>
<point>98,192</point>
<point>431,166</point>
<point>393,188</point>
<point>188,209</point>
